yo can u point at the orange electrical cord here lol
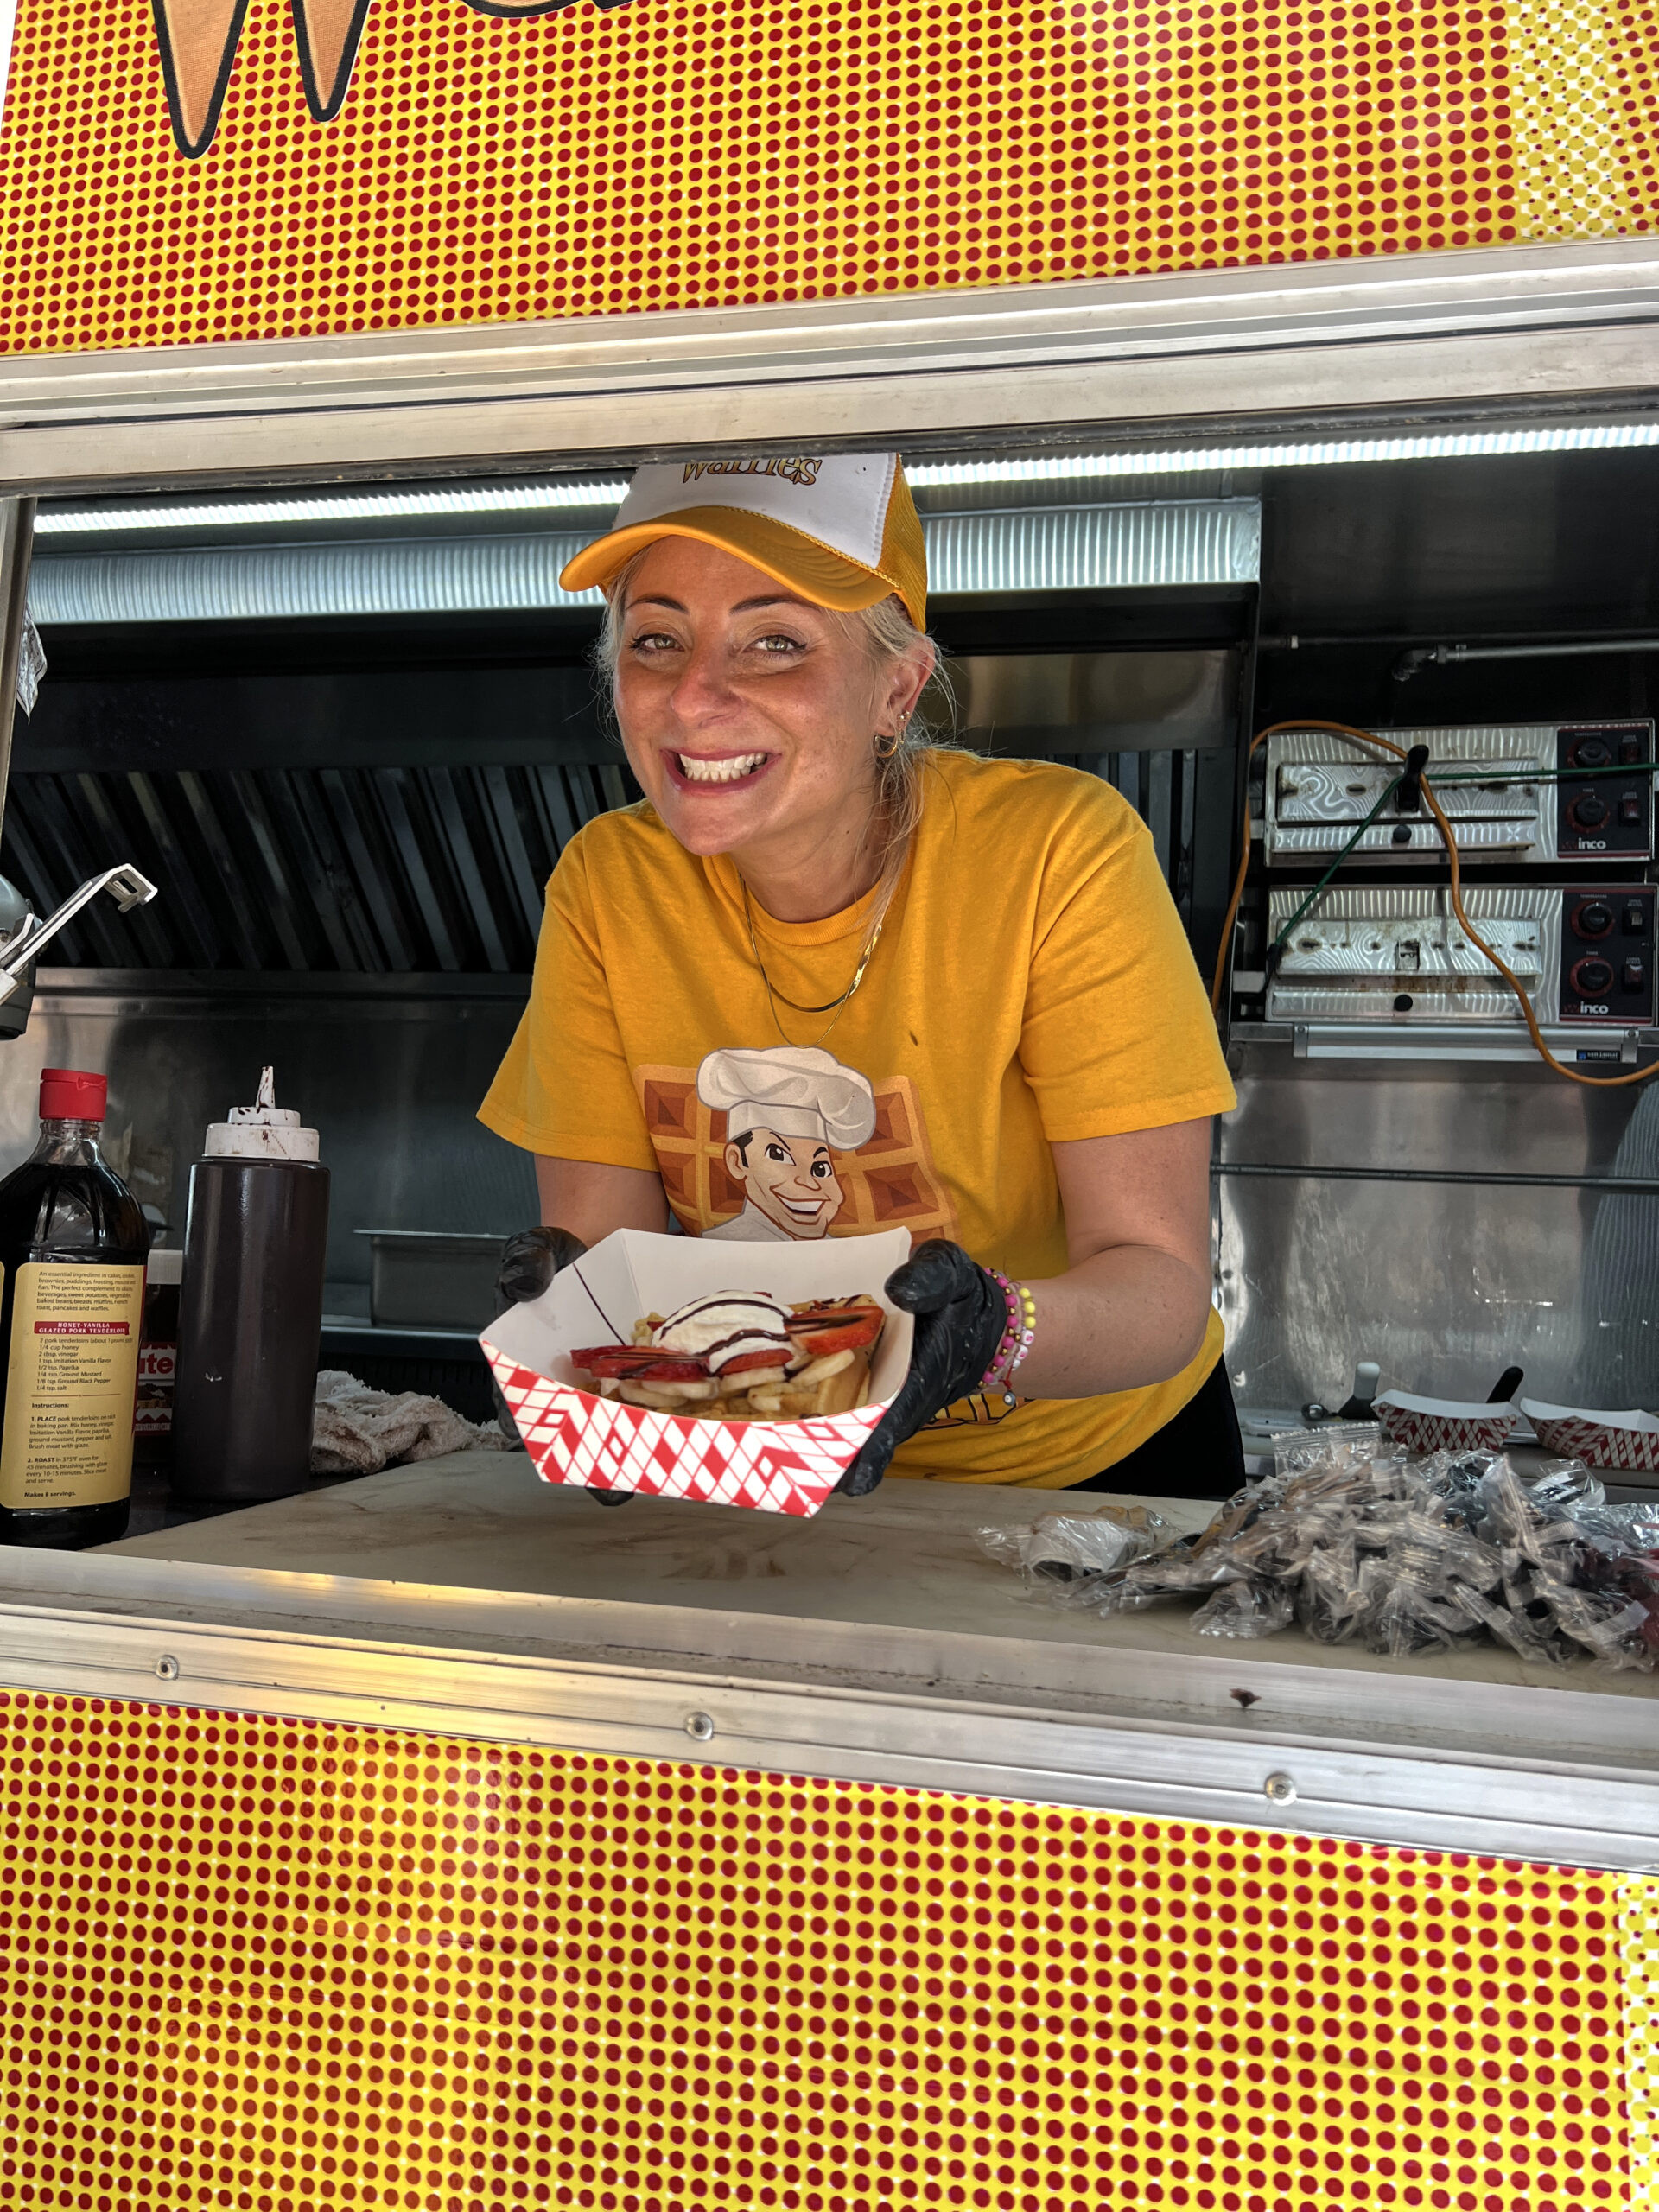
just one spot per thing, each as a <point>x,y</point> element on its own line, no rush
<point>1219,984</point>
<point>1455,886</point>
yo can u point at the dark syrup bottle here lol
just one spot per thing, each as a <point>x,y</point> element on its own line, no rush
<point>72,1245</point>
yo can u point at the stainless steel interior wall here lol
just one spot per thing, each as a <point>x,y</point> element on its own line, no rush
<point>389,1069</point>
<point>1444,1282</point>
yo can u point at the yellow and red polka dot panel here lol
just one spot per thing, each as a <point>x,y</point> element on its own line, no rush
<point>264,1964</point>
<point>165,177</point>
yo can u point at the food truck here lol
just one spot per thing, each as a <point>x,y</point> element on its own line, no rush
<point>429,1839</point>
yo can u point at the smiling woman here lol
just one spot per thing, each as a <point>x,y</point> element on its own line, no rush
<point>1023,1066</point>
<point>798,754</point>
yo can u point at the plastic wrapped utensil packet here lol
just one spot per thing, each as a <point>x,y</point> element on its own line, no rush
<point>1340,1442</point>
<point>1245,1610</point>
<point>1069,1554</point>
<point>1564,1487</point>
<point>1361,1545</point>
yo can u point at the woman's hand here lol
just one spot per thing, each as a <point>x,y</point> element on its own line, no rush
<point>528,1262</point>
<point>593,1200</point>
<point>1131,1308</point>
<point>960,1316</point>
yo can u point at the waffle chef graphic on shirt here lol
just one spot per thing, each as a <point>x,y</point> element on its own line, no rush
<point>788,1110</point>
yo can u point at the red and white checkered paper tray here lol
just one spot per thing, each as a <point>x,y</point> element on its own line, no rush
<point>780,1466</point>
<point>1627,1441</point>
<point>1442,1424</point>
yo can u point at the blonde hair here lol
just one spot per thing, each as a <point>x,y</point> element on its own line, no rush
<point>888,636</point>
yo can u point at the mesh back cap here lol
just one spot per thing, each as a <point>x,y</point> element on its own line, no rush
<point>839,529</point>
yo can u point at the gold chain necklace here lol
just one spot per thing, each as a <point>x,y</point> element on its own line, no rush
<point>831,1007</point>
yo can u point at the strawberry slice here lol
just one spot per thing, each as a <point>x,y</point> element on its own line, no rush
<point>640,1364</point>
<point>748,1362</point>
<point>837,1325</point>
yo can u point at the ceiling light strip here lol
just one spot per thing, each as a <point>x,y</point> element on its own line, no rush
<point>559,493</point>
<point>338,507</point>
<point>1314,452</point>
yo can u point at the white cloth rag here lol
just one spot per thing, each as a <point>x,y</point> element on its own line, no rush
<point>356,1431</point>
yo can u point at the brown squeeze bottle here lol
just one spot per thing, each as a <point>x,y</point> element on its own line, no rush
<point>72,1243</point>
<point>251,1309</point>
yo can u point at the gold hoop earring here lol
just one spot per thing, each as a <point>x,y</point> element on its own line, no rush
<point>885,746</point>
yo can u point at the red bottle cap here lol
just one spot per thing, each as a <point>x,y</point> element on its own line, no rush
<point>71,1095</point>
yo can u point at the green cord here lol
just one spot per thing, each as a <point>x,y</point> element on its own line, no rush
<point>1277,946</point>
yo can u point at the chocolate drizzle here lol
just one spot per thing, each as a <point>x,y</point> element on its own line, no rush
<point>765,1332</point>
<point>739,1298</point>
<point>747,1340</point>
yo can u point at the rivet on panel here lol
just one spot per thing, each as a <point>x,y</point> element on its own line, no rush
<point>168,1667</point>
<point>699,1728</point>
<point>1280,1789</point>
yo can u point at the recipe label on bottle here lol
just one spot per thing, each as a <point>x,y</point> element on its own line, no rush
<point>70,1385</point>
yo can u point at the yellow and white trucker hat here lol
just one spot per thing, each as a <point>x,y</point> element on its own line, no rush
<point>839,529</point>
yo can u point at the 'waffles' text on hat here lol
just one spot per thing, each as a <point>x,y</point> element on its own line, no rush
<point>840,530</point>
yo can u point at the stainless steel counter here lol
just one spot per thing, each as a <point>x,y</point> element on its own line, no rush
<point>875,1642</point>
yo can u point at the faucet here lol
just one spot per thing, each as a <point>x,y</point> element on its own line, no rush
<point>125,885</point>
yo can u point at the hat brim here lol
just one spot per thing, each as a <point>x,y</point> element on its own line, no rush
<point>804,565</point>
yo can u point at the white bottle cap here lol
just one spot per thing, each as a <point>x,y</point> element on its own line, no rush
<point>164,1266</point>
<point>262,1131</point>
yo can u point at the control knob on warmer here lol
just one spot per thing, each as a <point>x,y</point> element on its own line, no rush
<point>1589,811</point>
<point>1593,978</point>
<point>1593,918</point>
<point>1592,753</point>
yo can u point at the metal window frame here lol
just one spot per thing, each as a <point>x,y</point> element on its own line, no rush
<point>1530,326</point>
<point>1371,1755</point>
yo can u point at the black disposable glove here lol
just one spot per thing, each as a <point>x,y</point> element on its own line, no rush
<point>960,1314</point>
<point>528,1262</point>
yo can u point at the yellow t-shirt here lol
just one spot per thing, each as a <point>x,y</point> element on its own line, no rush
<point>1032,985</point>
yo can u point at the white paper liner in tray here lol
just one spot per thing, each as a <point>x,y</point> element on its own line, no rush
<point>1442,1424</point>
<point>779,1467</point>
<point>1626,1441</point>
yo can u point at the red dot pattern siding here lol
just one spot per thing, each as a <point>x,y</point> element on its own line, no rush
<point>681,153</point>
<point>277,1965</point>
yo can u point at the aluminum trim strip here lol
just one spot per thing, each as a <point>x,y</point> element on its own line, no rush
<point>1534,324</point>
<point>1542,1722</point>
<point>1266,391</point>
<point>1056,549</point>
<point>1518,287</point>
<point>1580,1815</point>
<point>1378,1039</point>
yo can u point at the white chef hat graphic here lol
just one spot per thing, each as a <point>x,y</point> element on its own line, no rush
<point>797,1091</point>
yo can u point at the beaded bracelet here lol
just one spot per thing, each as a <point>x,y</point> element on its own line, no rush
<point>1017,1338</point>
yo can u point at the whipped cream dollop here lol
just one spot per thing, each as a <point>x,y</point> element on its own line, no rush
<point>726,1325</point>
